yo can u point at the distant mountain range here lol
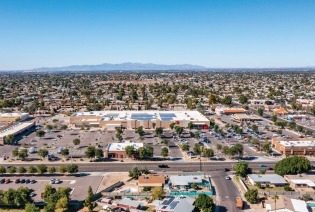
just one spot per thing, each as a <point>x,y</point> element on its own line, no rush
<point>125,67</point>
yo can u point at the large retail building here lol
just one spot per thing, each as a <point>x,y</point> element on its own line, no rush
<point>133,119</point>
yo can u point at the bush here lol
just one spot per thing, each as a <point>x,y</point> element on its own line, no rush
<point>287,188</point>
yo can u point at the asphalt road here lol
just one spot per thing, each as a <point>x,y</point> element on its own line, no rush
<point>226,192</point>
<point>173,166</point>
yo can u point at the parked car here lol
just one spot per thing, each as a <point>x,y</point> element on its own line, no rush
<point>227,178</point>
<point>2,181</point>
<point>52,181</point>
<point>226,169</point>
<point>17,181</point>
<point>7,181</point>
<point>33,181</point>
<point>57,181</point>
<point>27,181</point>
<point>22,181</point>
<point>32,194</point>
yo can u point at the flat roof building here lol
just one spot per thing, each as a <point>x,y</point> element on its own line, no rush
<point>245,117</point>
<point>225,110</point>
<point>151,180</point>
<point>270,179</point>
<point>13,117</point>
<point>133,119</point>
<point>117,150</point>
<point>294,147</point>
<point>301,182</point>
<point>15,129</point>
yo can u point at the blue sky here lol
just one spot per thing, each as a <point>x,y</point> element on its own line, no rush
<point>221,33</point>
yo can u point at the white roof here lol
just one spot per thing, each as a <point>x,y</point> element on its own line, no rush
<point>185,180</point>
<point>299,205</point>
<point>305,143</point>
<point>15,128</point>
<point>270,178</point>
<point>307,182</point>
<point>122,146</point>
<point>185,115</point>
<point>12,114</point>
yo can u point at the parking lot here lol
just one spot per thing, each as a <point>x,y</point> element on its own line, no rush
<point>77,184</point>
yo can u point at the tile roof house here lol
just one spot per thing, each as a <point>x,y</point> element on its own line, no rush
<point>151,180</point>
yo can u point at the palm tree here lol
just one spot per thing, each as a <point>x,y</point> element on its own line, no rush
<point>275,197</point>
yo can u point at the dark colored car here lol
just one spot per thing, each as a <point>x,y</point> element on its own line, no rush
<point>27,181</point>
<point>226,169</point>
<point>2,181</point>
<point>22,181</point>
<point>17,181</point>
<point>163,166</point>
<point>33,181</point>
<point>7,181</point>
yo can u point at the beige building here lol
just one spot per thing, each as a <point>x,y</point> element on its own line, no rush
<point>245,117</point>
<point>13,117</point>
<point>150,180</point>
<point>15,129</point>
<point>224,110</point>
<point>133,119</point>
<point>301,182</point>
<point>294,147</point>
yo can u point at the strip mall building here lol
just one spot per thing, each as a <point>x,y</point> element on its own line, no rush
<point>133,119</point>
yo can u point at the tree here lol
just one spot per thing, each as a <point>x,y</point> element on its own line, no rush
<point>63,169</point>
<point>22,170</point>
<point>64,127</point>
<point>43,153</point>
<point>252,196</point>
<point>65,152</point>
<point>190,126</point>
<point>274,118</point>
<point>135,172</point>
<point>90,152</point>
<point>243,99</point>
<point>72,168</point>
<point>260,111</point>
<point>15,152</point>
<point>22,154</point>
<point>9,196</point>
<point>204,202</point>
<point>242,169</point>
<point>76,141</point>
<point>32,169</point>
<point>22,196</point>
<point>179,130</point>
<point>49,127</point>
<point>157,193</point>
<point>164,152</point>
<point>197,149</point>
<point>12,169</point>
<point>62,204</point>
<point>197,135</point>
<point>255,128</point>
<point>40,133</point>
<point>41,169</point>
<point>99,153</point>
<point>184,147</point>
<point>159,131</point>
<point>208,153</point>
<point>130,150</point>
<point>292,125</point>
<point>267,148</point>
<point>52,170</point>
<point>139,130</point>
<point>2,170</point>
<point>292,165</point>
<point>88,202</point>
<point>219,146</point>
<point>275,197</point>
<point>227,100</point>
<point>172,125</point>
<point>30,207</point>
<point>9,139</point>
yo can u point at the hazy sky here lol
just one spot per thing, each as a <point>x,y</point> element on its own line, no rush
<point>222,33</point>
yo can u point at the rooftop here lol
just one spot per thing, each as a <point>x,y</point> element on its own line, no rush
<point>301,143</point>
<point>176,204</point>
<point>150,178</point>
<point>271,178</point>
<point>122,146</point>
<point>185,180</point>
<point>145,115</point>
<point>15,128</point>
<point>12,114</point>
